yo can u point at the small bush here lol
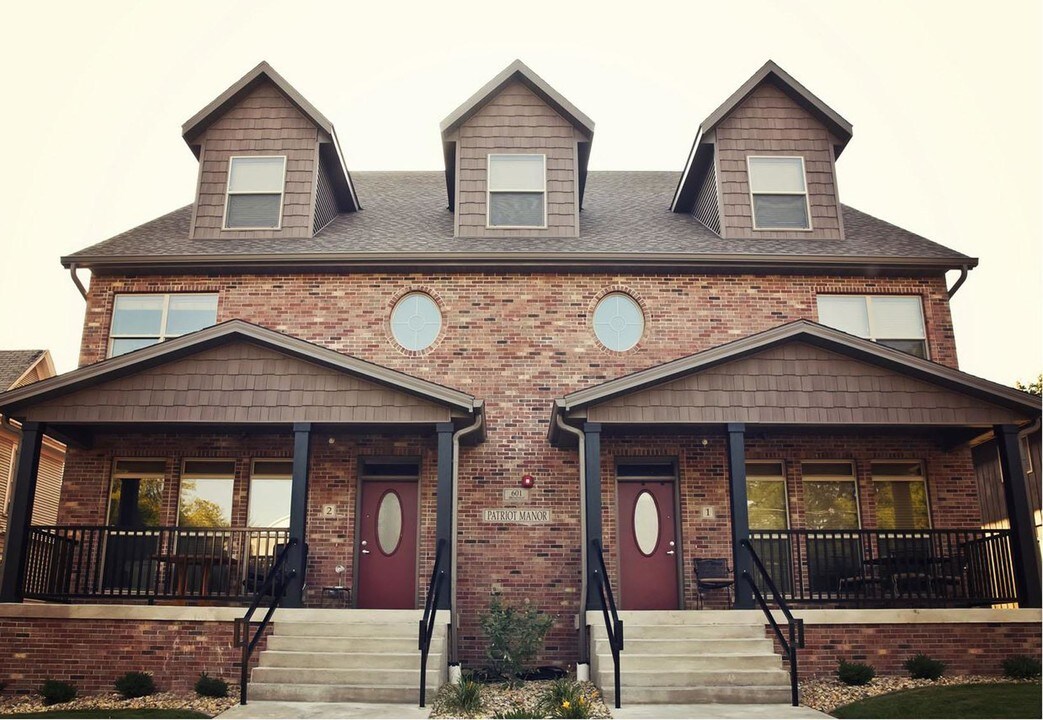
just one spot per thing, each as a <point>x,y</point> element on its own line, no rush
<point>515,637</point>
<point>211,687</point>
<point>518,712</point>
<point>465,697</point>
<point>56,691</point>
<point>855,673</point>
<point>1022,667</point>
<point>135,685</point>
<point>564,698</point>
<point>922,667</point>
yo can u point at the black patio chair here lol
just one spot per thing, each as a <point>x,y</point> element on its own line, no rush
<point>713,574</point>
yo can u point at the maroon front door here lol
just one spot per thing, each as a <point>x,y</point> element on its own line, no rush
<point>387,545</point>
<point>647,545</point>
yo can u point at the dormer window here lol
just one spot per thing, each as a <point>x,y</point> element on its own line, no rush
<point>517,195</point>
<point>255,191</point>
<point>779,193</point>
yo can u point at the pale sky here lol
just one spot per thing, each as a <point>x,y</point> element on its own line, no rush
<point>945,99</point>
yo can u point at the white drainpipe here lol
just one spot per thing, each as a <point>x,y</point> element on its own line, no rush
<point>582,669</point>
<point>453,614</point>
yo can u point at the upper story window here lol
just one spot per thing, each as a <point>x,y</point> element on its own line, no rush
<point>142,320</point>
<point>517,196</point>
<point>255,191</point>
<point>779,193</point>
<point>619,322</point>
<point>416,321</point>
<point>892,320</point>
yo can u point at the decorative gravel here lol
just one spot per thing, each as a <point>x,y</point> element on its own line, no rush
<point>498,698</point>
<point>113,701</point>
<point>829,694</point>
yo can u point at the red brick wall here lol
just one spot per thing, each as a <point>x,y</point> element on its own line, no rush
<point>93,653</point>
<point>967,648</point>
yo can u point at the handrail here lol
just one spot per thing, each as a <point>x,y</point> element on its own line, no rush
<point>242,625</point>
<point>795,626</point>
<point>613,625</point>
<point>427,623</point>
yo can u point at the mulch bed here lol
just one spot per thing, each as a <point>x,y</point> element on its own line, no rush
<point>499,698</point>
<point>829,694</point>
<point>114,701</point>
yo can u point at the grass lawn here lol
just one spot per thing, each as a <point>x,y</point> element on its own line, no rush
<point>1003,700</point>
<point>118,713</point>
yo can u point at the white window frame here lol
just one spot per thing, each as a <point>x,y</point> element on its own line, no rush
<point>163,334</point>
<point>870,315</point>
<point>263,476</point>
<point>205,476</point>
<point>807,199</point>
<point>922,477</point>
<point>853,477</point>
<point>773,478</point>
<point>229,191</point>
<point>489,192</point>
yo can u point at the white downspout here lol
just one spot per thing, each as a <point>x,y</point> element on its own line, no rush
<point>582,669</point>
<point>453,613</point>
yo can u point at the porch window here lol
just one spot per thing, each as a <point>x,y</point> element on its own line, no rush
<point>270,484</point>
<point>136,493</point>
<point>830,495</point>
<point>206,493</point>
<point>901,496</point>
<point>892,320</point>
<point>766,496</point>
<point>142,320</point>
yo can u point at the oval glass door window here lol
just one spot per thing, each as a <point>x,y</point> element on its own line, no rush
<point>646,523</point>
<point>389,522</point>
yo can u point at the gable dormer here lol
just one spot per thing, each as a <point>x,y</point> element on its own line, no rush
<point>270,165</point>
<point>763,163</point>
<point>516,159</point>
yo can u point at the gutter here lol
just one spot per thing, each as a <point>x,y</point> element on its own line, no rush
<point>76,281</point>
<point>583,666</point>
<point>960,281</point>
<point>454,623</point>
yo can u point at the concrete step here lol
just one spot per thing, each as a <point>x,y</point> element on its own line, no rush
<point>352,676</point>
<point>692,678</point>
<point>298,692</point>
<point>347,644</point>
<point>721,646</point>
<point>644,631</point>
<point>632,663</point>
<point>349,615</point>
<point>345,661</point>
<point>684,617</point>
<point>697,695</point>
<point>347,629</point>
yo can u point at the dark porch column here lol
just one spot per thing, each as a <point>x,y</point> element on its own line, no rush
<point>21,517</point>
<point>1019,511</point>
<point>592,481</point>
<point>298,555</point>
<point>740,517</point>
<point>444,508</point>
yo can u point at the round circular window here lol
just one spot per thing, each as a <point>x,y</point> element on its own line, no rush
<point>618,321</point>
<point>416,321</point>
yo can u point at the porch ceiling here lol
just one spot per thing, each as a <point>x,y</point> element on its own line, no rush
<point>799,374</point>
<point>237,373</point>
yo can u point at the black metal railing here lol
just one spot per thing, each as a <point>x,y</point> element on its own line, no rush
<point>427,623</point>
<point>274,585</point>
<point>889,568</point>
<point>793,639</point>
<point>613,625</point>
<point>70,562</point>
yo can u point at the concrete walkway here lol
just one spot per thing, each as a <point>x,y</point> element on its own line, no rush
<point>737,710</point>
<point>274,709</point>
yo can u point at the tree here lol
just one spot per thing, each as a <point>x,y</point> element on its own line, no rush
<point>1035,387</point>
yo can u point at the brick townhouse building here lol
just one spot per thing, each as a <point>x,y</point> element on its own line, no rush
<point>518,376</point>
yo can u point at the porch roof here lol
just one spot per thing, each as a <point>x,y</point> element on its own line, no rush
<point>801,373</point>
<point>237,373</point>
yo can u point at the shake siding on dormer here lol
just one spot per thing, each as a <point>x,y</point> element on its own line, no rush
<point>263,123</point>
<point>768,122</point>
<point>517,121</point>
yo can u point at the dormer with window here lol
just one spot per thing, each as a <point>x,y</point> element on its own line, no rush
<point>516,159</point>
<point>763,164</point>
<point>269,163</point>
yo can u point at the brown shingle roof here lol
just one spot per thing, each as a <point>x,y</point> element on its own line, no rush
<point>14,363</point>
<point>626,217</point>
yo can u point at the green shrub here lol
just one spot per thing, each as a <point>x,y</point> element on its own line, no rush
<point>855,673</point>
<point>515,637</point>
<point>465,697</point>
<point>135,685</point>
<point>56,691</point>
<point>922,667</point>
<point>564,698</point>
<point>211,687</point>
<point>518,712</point>
<point>1022,667</point>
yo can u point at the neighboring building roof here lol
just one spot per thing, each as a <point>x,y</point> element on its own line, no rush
<point>626,223</point>
<point>15,364</point>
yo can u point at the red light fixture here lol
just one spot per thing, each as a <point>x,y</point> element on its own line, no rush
<point>527,481</point>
